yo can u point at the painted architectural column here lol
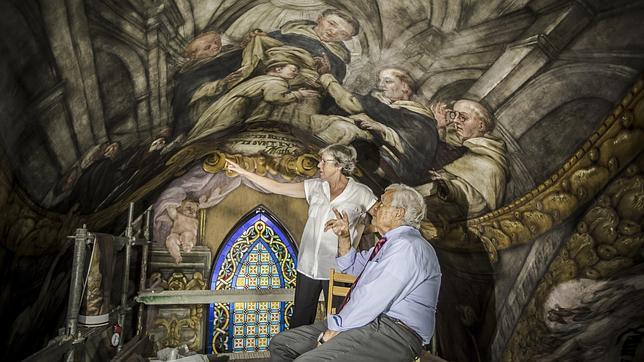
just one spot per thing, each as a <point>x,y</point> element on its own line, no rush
<point>523,59</point>
<point>52,114</point>
<point>146,38</point>
<point>67,28</point>
<point>163,41</point>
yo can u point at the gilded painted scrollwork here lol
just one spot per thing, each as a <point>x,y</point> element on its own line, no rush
<point>180,328</point>
<point>288,166</point>
<point>180,325</point>
<point>607,240</point>
<point>197,282</point>
<point>179,281</point>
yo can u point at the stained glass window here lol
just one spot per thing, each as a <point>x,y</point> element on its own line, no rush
<point>257,254</point>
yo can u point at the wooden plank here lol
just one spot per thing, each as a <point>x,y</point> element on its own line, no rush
<point>344,278</point>
<point>341,291</point>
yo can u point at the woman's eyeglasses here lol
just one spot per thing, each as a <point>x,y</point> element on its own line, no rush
<point>327,161</point>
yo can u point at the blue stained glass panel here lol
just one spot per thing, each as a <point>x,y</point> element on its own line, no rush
<point>257,254</point>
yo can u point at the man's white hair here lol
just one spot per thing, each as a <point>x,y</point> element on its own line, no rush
<point>409,199</point>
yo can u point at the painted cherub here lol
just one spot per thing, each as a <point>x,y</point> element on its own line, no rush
<point>183,235</point>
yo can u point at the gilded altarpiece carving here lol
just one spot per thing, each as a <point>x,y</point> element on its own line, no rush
<point>175,325</point>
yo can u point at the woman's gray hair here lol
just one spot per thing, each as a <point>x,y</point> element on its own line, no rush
<point>344,155</point>
<point>410,200</point>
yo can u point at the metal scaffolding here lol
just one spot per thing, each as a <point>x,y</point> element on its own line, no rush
<point>74,335</point>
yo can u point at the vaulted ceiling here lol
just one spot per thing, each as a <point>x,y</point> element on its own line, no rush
<point>75,74</point>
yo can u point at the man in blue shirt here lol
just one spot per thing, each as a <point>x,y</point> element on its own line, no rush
<point>390,311</point>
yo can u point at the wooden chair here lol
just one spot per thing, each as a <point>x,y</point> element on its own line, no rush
<point>337,290</point>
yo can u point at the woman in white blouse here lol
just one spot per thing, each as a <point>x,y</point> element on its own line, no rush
<point>318,248</point>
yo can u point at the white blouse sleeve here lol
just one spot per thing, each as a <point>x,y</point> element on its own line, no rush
<point>311,186</point>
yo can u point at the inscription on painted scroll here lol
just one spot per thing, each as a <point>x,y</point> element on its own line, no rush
<point>265,142</point>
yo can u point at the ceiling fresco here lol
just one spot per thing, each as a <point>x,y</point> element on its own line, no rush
<point>536,210</point>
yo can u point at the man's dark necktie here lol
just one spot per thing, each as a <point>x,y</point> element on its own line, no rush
<point>375,251</point>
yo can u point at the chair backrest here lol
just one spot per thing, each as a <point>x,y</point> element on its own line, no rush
<point>337,290</point>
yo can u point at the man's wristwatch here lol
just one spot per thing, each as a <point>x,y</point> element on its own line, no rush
<point>321,338</point>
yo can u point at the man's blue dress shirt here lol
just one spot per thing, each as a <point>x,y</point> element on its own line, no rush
<point>402,281</point>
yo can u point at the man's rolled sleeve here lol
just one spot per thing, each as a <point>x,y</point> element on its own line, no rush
<point>353,262</point>
<point>346,261</point>
<point>334,323</point>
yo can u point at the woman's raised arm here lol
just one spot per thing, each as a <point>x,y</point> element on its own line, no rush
<point>282,188</point>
